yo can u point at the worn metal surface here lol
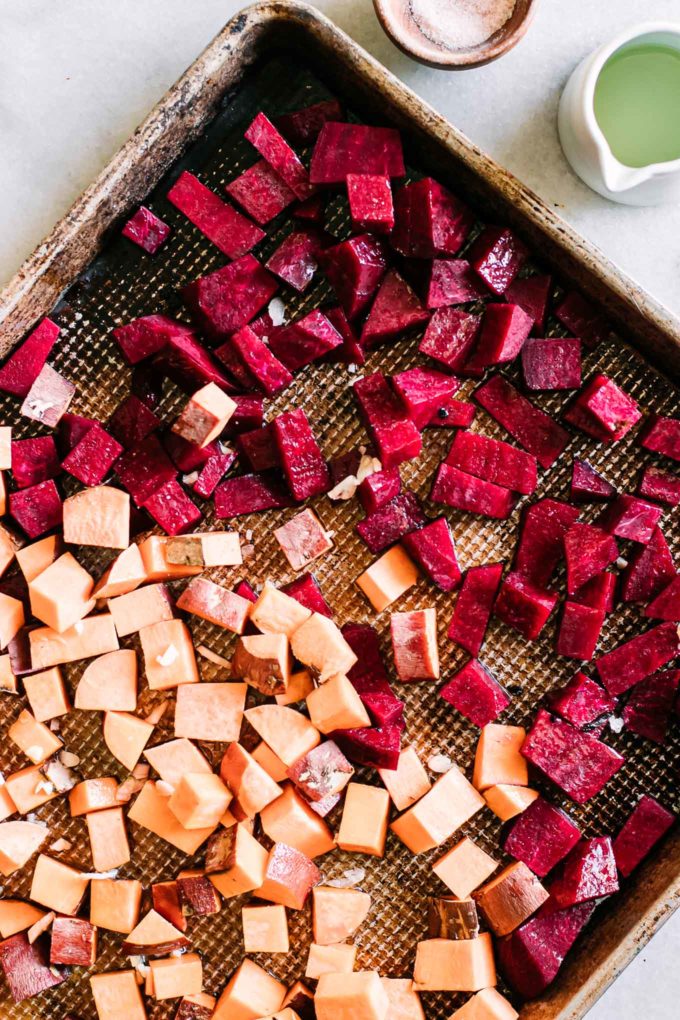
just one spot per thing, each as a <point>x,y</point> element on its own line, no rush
<point>300,57</point>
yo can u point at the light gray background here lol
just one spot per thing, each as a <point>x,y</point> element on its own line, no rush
<point>77,76</point>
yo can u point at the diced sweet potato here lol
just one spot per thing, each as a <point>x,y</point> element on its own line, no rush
<point>209,711</point>
<point>46,694</point>
<point>260,192</point>
<point>343,149</point>
<point>58,886</point>
<point>303,539</point>
<point>533,429</point>
<point>337,913</point>
<point>28,790</point>
<point>576,761</point>
<point>464,867</point>
<point>181,975</point>
<point>109,683</point>
<point>265,929</point>
<point>289,877</point>
<point>435,817</point>
<point>408,782</point>
<point>337,959</point>
<point>108,838</point>
<point>48,398</point>
<point>235,862</point>
<point>456,965</point>
<point>18,842</point>
<point>449,918</point>
<point>510,898</point>
<point>141,608</point>
<point>12,618</point>
<point>212,602</point>
<point>476,694</point>
<point>524,606</point>
<point>335,705</point>
<point>288,733</point>
<point>125,736</point>
<point>252,787</point>
<point>16,916</point>
<point>199,800</point>
<point>124,574</point>
<point>498,758</point>
<point>414,644</point>
<point>464,491</point>
<point>318,643</point>
<point>36,740</point>
<point>154,936</point>
<point>430,220</point>
<point>292,820</point>
<point>507,802</point>
<point>92,795</point>
<point>473,606</point>
<point>637,658</point>
<point>322,772</point>
<point>233,234</point>
<point>97,516</point>
<point>205,416</point>
<point>251,992</point>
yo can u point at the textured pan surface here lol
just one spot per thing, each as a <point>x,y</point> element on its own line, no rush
<point>124,283</point>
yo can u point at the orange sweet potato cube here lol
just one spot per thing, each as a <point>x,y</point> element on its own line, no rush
<point>109,683</point>
<point>319,643</point>
<point>464,867</point>
<point>205,415</point>
<point>265,929</point>
<point>436,816</point>
<point>289,819</point>
<point>299,686</point>
<point>58,886</point>
<point>98,516</point>
<point>337,959</point>
<point>141,608</point>
<point>336,705</point>
<point>348,996</point>
<point>289,877</point>
<point>235,862</point>
<point>263,661</point>
<point>507,802</point>
<point>270,762</point>
<point>278,613</point>
<point>46,694</point>
<point>92,636</point>
<point>510,898</point>
<point>12,618</point>
<point>337,913</point>
<point>108,838</point>
<point>403,998</point>
<point>498,759</point>
<point>93,795</point>
<point>8,681</point>
<point>36,740</point>
<point>408,782</point>
<point>176,976</point>
<point>488,1004</point>
<point>250,784</point>
<point>174,758</point>
<point>7,805</point>
<point>62,594</point>
<point>454,965</point>
<point>126,737</point>
<point>216,604</point>
<point>169,657</point>
<point>151,811</point>
<point>210,711</point>
<point>115,904</point>
<point>18,842</point>
<point>388,578</point>
<point>289,733</point>
<point>199,800</point>
<point>29,789</point>
<point>250,993</point>
<point>37,556</point>
<point>157,567</point>
<point>363,828</point>
<point>116,994</point>
<point>123,575</point>
<point>9,542</point>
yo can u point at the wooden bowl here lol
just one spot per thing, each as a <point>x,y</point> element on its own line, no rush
<point>401,27</point>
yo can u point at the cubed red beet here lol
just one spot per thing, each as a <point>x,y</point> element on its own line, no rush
<point>430,220</point>
<point>25,364</point>
<point>666,605</point>
<point>497,257</point>
<point>541,543</point>
<point>396,310</point>
<point>532,294</point>
<point>91,460</point>
<point>494,461</point>
<point>370,202</point>
<point>385,710</point>
<point>542,836</point>
<point>302,126</point>
<point>260,192</point>
<point>305,590</point>
<point>396,437</point>
<point>579,632</point>
<point>452,282</point>
<point>638,658</point>
<point>257,450</point>
<point>143,337</point>
<point>423,391</point>
<point>34,460</point>
<point>433,549</point>
<point>647,823</point>
<point>213,471</point>
<point>378,489</point>
<point>476,694</point>
<point>268,373</point>
<point>650,569</point>
<point>588,485</point>
<point>27,968</point>
<point>188,364</point>
<point>249,414</point>
<point>144,468</point>
<point>632,518</point>
<point>588,873</point>
<point>72,428</point>
<point>312,210</point>
<point>246,591</point>
<point>473,607</point>
<point>598,593</point>
<point>552,364</point>
<point>249,494</point>
<point>296,259</point>
<point>228,229</point>
<point>146,230</point>
<point>185,455</point>
<point>230,297</point>
<point>368,675</point>
<point>343,149</point>
<point>649,707</point>
<point>132,421</point>
<point>373,746</point>
<point>351,352</point>
<point>37,509</point>
<point>582,701</point>
<point>454,414</point>
<point>147,384</point>
<point>533,429</point>
<point>524,606</point>
<point>344,466</point>
<point>305,341</point>
<point>661,435</point>
<point>354,269</point>
<point>588,551</point>
<point>391,521</point>
<point>505,329</point>
<point>577,762</point>
<point>603,410</point>
<point>660,485</point>
<point>582,319</point>
<point>171,507</point>
<point>303,463</point>
<point>450,338</point>
<point>464,491</point>
<point>274,148</point>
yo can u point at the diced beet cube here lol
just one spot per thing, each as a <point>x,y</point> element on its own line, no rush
<point>296,259</point>
<point>397,442</point>
<point>581,319</point>
<point>598,593</point>
<point>25,364</point>
<point>370,202</point>
<point>148,335</point>
<point>541,543</point>
<point>258,450</point>
<point>147,385</point>
<point>236,368</point>
<point>579,632</point>
<point>552,364</point>
<point>433,549</point>
<point>473,607</point>
<point>375,747</point>
<point>661,435</point>
<point>72,428</point>
<point>378,489</point>
<point>92,458</point>
<point>588,873</point>
<point>391,521</point>
<point>351,352</point>
<point>146,230</point>
<point>666,605</point>
<point>302,126</point>
<point>454,414</point>
<point>542,836</point>
<point>397,439</point>
<point>37,509</point>
<point>642,830</point>
<point>650,705</point>
<point>132,421</point>
<point>27,968</point>
<point>189,365</point>
<point>638,657</point>
<point>230,297</point>
<point>312,210</point>
<point>385,710</point>
<point>464,491</point>
<point>603,410</point>
<point>650,569</point>
<point>423,391</point>
<point>577,762</point>
<point>305,341</point>
<point>305,590</point>
<point>497,257</point>
<point>524,606</point>
<point>273,147</point>
<point>232,232</point>
<point>343,149</point>
<point>48,398</point>
<point>172,509</point>
<point>346,465</point>
<point>452,282</point>
<point>260,192</point>
<point>395,311</point>
<point>505,329</point>
<point>429,220</point>
<point>660,485</point>
<point>476,694</point>
<point>631,517</point>
<point>144,468</point>
<point>368,674</point>
<point>531,293</point>
<point>268,373</point>
<point>588,485</point>
<point>185,455</point>
<point>588,551</point>
<point>303,463</point>
<point>354,269</point>
<point>248,494</point>
<point>532,428</point>
<point>582,701</point>
<point>493,460</point>
<point>34,460</point>
<point>246,591</point>
<point>530,958</point>
<point>249,414</point>
<point>212,473</point>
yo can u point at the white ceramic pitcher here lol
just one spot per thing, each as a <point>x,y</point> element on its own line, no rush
<point>586,147</point>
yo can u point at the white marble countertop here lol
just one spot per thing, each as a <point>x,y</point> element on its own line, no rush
<point>77,76</point>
